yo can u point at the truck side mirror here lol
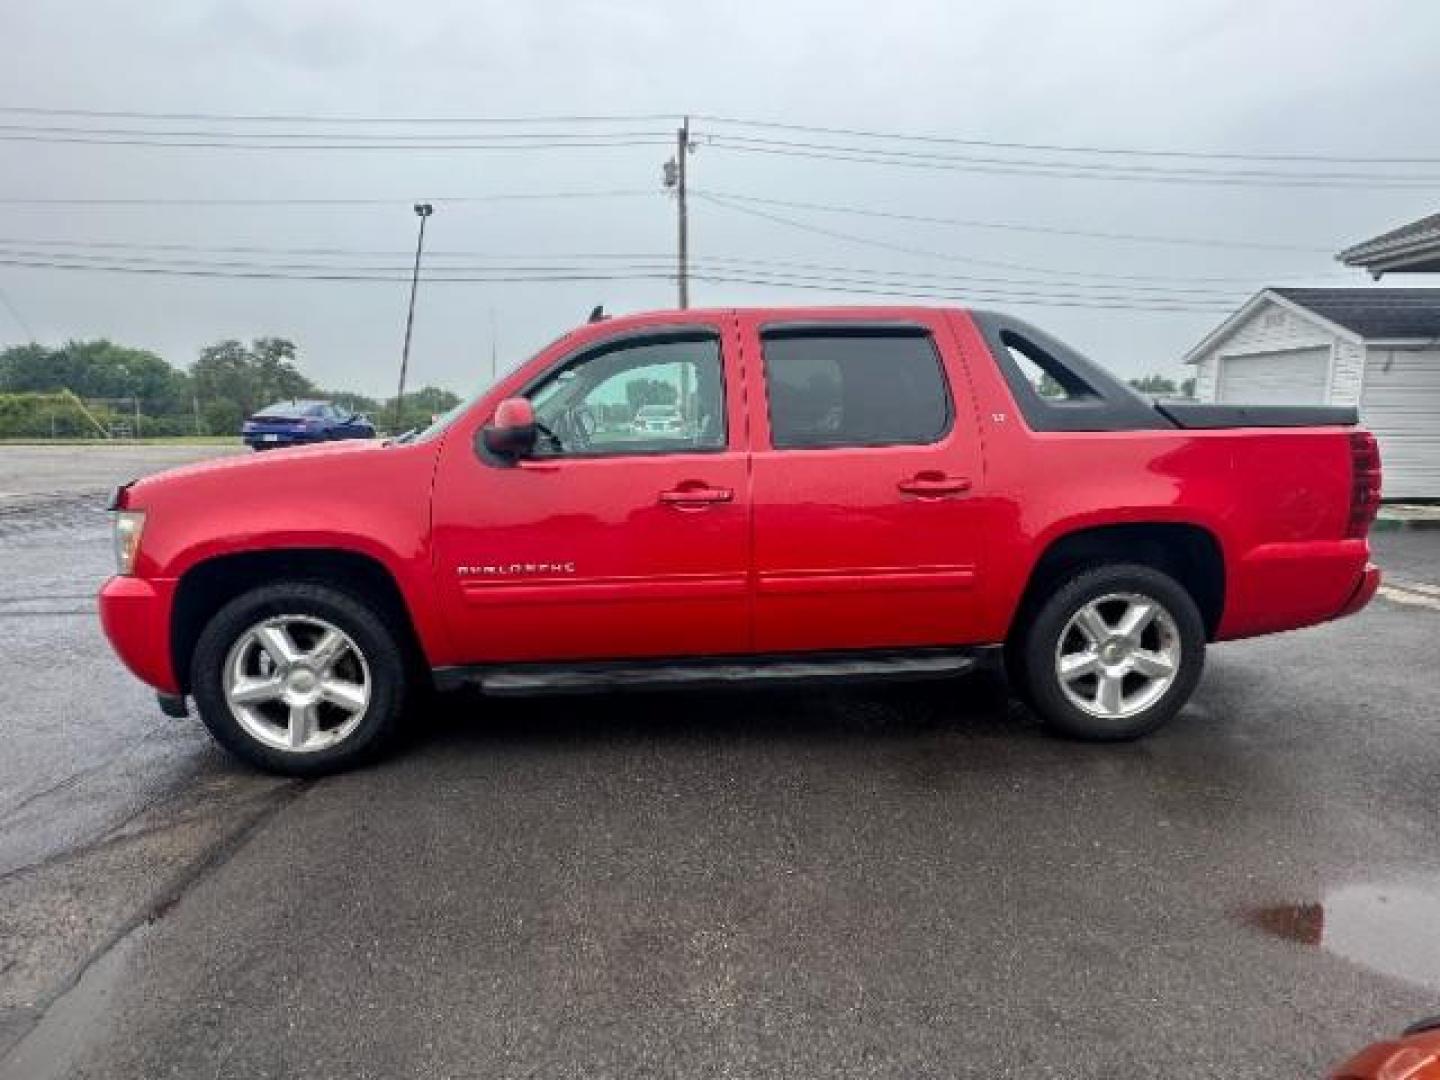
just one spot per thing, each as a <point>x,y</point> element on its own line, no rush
<point>512,433</point>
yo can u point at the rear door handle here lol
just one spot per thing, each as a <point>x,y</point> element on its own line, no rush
<point>934,485</point>
<point>693,496</point>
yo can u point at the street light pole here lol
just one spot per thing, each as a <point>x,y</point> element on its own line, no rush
<point>422,211</point>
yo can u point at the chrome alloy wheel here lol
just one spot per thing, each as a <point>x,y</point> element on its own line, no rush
<point>297,683</point>
<point>1118,655</point>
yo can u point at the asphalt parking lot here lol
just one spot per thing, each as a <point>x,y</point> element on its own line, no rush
<point>905,880</point>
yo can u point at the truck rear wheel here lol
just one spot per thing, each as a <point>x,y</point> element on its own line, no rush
<point>1112,654</point>
<point>299,677</point>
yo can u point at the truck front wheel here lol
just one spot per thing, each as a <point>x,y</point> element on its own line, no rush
<point>1112,653</point>
<point>299,677</point>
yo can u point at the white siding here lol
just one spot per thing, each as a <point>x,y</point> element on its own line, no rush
<point>1347,372</point>
<point>1205,378</point>
<point>1401,405</point>
<point>1273,328</point>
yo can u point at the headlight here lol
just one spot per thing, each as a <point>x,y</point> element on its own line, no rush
<point>129,524</point>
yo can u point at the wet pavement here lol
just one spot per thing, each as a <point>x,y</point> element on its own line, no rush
<point>906,880</point>
<point>36,471</point>
<point>1409,555</point>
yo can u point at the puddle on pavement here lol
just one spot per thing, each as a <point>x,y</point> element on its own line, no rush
<point>1393,929</point>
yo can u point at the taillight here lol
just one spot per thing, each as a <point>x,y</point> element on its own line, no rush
<point>1364,484</point>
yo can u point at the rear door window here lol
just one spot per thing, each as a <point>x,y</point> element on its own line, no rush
<point>854,387</point>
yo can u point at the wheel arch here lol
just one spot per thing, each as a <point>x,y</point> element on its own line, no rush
<point>206,586</point>
<point>1187,552</point>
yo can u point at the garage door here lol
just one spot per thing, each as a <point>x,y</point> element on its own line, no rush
<point>1401,405</point>
<point>1289,377</point>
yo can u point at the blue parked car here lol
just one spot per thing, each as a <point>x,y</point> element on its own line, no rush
<point>293,423</point>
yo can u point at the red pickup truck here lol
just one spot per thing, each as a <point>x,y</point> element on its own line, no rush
<point>840,493</point>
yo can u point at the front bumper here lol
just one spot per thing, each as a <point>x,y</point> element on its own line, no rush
<point>135,614</point>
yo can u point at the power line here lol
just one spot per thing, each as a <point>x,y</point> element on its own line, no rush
<point>1063,148</point>
<point>314,118</point>
<point>980,296</point>
<point>732,121</point>
<point>12,244</point>
<point>386,202</point>
<point>738,276</point>
<point>280,273</point>
<point>1055,168</point>
<point>599,142</point>
<point>836,234</point>
<point>948,283</point>
<point>1071,171</point>
<point>647,263</point>
<point>395,137</point>
<point>1007,226</point>
<point>729,196</point>
<point>1099,168</point>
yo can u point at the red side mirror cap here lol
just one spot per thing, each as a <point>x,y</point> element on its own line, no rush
<point>512,433</point>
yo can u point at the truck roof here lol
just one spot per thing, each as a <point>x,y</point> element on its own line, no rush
<point>792,311</point>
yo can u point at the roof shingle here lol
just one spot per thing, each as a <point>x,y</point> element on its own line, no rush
<point>1383,314</point>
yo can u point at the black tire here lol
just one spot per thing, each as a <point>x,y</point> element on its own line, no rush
<point>1035,647</point>
<point>382,655</point>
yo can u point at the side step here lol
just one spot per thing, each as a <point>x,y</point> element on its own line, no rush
<point>591,676</point>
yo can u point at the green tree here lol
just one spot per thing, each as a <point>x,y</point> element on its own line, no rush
<point>274,360</point>
<point>95,369</point>
<point>420,407</point>
<point>23,368</point>
<point>1155,385</point>
<point>1049,387</point>
<point>235,380</point>
<point>1187,388</point>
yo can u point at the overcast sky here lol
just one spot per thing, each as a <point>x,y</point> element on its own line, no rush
<point>1345,80</point>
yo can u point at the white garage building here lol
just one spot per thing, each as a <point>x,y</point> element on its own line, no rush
<point>1378,349</point>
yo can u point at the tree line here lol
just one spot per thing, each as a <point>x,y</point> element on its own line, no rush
<point>121,386</point>
<point>1160,386</point>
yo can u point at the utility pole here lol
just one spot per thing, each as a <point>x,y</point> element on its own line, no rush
<point>422,211</point>
<point>675,178</point>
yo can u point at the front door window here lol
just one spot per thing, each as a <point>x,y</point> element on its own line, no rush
<point>651,397</point>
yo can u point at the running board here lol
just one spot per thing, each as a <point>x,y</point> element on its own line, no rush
<point>591,676</point>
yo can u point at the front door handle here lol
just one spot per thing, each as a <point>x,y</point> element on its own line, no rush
<point>694,494</point>
<point>934,485</point>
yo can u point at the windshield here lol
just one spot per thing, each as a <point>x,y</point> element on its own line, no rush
<point>445,419</point>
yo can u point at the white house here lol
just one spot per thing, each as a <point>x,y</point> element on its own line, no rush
<point>1378,349</point>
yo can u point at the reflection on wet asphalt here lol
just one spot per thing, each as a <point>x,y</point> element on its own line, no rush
<point>880,881</point>
<point>1393,929</point>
